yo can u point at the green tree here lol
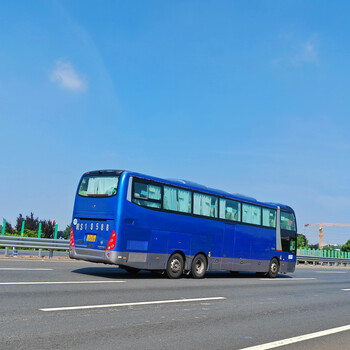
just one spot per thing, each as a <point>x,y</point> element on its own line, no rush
<point>29,233</point>
<point>302,241</point>
<point>32,224</point>
<point>346,246</point>
<point>66,232</point>
<point>18,226</point>
<point>8,229</point>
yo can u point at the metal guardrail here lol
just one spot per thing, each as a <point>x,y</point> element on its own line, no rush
<point>322,257</point>
<point>35,243</point>
<point>319,260</point>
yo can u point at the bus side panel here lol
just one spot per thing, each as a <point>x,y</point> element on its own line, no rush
<point>159,234</point>
<point>228,246</point>
<point>134,236</point>
<point>253,248</point>
<point>263,243</point>
<point>243,242</point>
<point>151,236</point>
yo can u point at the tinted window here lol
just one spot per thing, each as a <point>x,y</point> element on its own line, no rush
<point>177,199</point>
<point>147,195</point>
<point>206,205</point>
<point>288,221</point>
<point>140,190</point>
<point>269,217</point>
<point>251,214</point>
<point>289,244</point>
<point>230,210</point>
<point>147,203</point>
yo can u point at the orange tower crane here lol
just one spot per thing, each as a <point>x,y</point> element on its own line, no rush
<point>320,230</point>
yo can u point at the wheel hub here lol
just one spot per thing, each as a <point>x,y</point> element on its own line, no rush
<point>199,266</point>
<point>273,268</point>
<point>175,265</point>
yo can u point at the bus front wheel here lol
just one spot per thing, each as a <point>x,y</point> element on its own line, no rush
<point>175,266</point>
<point>273,268</point>
<point>199,266</point>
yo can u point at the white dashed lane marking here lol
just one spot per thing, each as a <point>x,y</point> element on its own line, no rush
<point>330,271</point>
<point>22,269</point>
<point>287,279</point>
<point>58,282</point>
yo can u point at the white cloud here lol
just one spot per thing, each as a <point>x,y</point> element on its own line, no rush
<point>67,78</point>
<point>297,52</point>
<point>308,53</point>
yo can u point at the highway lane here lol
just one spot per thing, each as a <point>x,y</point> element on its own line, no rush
<point>252,310</point>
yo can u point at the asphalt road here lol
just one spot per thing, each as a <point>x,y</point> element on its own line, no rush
<point>40,308</point>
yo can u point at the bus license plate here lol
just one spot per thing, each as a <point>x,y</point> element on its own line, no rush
<point>91,238</point>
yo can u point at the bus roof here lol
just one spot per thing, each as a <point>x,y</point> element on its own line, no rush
<point>195,186</point>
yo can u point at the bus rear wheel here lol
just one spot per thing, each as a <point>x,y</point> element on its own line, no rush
<point>175,266</point>
<point>199,266</point>
<point>273,268</point>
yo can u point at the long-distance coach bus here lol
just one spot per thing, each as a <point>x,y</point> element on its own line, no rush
<point>178,227</point>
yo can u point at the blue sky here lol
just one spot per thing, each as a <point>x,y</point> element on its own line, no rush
<point>245,96</point>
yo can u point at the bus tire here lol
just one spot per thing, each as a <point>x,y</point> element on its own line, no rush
<point>273,268</point>
<point>199,266</point>
<point>175,266</point>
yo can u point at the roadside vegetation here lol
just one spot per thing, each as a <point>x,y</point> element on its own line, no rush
<point>31,228</point>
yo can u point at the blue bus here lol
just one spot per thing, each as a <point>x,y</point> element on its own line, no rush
<point>141,222</point>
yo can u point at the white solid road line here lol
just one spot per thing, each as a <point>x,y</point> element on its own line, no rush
<point>298,339</point>
<point>22,269</point>
<point>59,282</point>
<point>330,271</point>
<point>131,304</point>
<point>287,279</point>
<point>346,290</point>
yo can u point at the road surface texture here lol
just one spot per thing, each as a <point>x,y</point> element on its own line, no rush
<point>80,305</point>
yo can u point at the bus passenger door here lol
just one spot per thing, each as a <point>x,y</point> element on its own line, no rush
<point>228,246</point>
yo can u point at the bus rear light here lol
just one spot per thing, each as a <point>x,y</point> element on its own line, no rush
<point>72,243</point>
<point>112,241</point>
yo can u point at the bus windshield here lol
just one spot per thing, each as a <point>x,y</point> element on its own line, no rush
<point>288,221</point>
<point>98,186</point>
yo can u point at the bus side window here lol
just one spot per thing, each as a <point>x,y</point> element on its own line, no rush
<point>251,214</point>
<point>147,195</point>
<point>205,205</point>
<point>230,210</point>
<point>269,217</point>
<point>176,199</point>
<point>141,190</point>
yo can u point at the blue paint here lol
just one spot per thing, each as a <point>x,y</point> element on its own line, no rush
<point>141,229</point>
